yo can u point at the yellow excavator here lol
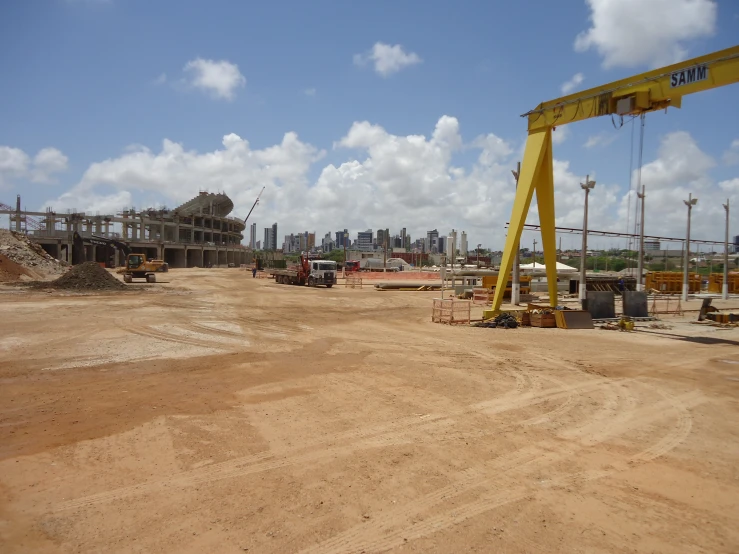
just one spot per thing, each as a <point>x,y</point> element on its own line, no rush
<point>137,266</point>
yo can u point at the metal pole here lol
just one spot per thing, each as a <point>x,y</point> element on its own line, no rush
<point>346,235</point>
<point>725,286</point>
<point>690,202</point>
<point>640,276</point>
<point>586,186</point>
<point>516,288</point>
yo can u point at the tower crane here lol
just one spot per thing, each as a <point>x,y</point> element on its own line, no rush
<point>654,90</point>
<point>254,205</point>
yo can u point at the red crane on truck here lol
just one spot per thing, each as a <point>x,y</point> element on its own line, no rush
<point>307,272</point>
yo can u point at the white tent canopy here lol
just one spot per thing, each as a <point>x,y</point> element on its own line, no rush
<point>561,268</point>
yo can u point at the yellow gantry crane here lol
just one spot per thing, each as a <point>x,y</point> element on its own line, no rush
<point>646,92</point>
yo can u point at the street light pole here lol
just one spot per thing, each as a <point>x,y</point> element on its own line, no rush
<point>640,277</point>
<point>516,288</point>
<point>690,202</point>
<point>478,255</point>
<point>346,236</point>
<point>586,186</point>
<point>725,286</point>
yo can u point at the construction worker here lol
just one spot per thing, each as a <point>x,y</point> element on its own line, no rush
<point>254,272</point>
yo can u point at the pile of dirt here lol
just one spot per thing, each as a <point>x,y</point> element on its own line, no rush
<point>11,271</point>
<point>33,259</point>
<point>86,276</point>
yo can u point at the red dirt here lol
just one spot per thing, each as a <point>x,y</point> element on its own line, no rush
<point>10,271</point>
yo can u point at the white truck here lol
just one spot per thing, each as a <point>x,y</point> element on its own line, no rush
<point>308,272</point>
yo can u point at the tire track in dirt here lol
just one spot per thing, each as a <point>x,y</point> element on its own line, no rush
<point>396,527</point>
<point>405,430</point>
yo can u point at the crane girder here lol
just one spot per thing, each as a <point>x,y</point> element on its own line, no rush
<point>654,90</point>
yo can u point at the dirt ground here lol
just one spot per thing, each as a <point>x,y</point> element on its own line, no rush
<point>221,413</point>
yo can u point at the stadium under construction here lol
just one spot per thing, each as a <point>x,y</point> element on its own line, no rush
<point>198,233</point>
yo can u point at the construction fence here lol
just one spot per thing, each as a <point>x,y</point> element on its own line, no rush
<point>451,311</point>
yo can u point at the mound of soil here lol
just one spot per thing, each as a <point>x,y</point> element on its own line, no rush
<point>10,271</point>
<point>31,257</point>
<point>86,276</point>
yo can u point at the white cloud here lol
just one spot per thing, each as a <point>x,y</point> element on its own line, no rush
<point>387,59</point>
<point>309,92</point>
<point>219,78</point>
<point>601,139</point>
<point>560,134</point>
<point>15,164</point>
<point>161,79</point>
<point>573,83</point>
<point>47,162</point>
<point>396,181</point>
<point>629,33</point>
<point>682,168</point>
<point>731,156</point>
<point>731,186</point>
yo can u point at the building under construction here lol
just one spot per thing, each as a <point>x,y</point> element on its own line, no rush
<point>199,233</point>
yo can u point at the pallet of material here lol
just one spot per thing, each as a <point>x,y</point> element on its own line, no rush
<point>543,320</point>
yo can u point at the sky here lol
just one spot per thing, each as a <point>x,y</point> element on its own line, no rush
<point>358,114</point>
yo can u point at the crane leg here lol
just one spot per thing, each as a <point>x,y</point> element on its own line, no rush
<point>537,145</point>
<point>545,203</point>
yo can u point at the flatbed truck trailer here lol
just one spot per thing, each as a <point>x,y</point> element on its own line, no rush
<point>312,273</point>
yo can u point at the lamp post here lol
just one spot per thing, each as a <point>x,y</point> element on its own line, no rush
<point>690,202</point>
<point>346,237</point>
<point>587,186</point>
<point>478,255</point>
<point>725,286</point>
<point>639,285</point>
<point>516,288</point>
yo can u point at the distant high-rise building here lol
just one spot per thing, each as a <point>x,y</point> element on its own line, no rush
<point>736,244</point>
<point>364,240</point>
<point>381,237</point>
<point>253,236</point>
<point>270,237</point>
<point>342,239</point>
<point>431,241</point>
<point>403,242</point>
<point>440,246</point>
<point>327,244</point>
<point>463,246</point>
<point>311,240</point>
<point>259,245</point>
<point>451,247</point>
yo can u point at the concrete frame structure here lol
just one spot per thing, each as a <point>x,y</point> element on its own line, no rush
<point>196,234</point>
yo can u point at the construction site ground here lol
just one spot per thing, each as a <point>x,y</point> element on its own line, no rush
<point>214,412</point>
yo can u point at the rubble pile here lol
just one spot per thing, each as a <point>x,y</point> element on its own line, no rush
<point>37,264</point>
<point>86,276</point>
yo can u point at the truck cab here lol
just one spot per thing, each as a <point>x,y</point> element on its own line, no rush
<point>322,272</point>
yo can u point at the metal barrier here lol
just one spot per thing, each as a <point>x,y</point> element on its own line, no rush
<point>353,282</point>
<point>451,311</point>
<point>656,309</point>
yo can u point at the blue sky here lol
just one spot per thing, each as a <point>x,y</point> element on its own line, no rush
<point>91,78</point>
